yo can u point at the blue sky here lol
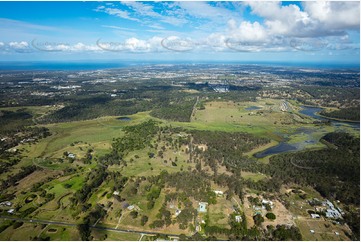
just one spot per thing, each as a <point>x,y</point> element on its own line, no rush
<point>204,31</point>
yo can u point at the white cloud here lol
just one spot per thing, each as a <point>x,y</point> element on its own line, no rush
<point>247,31</point>
<point>19,45</point>
<point>146,10</point>
<point>116,12</point>
<point>335,15</point>
<point>318,18</point>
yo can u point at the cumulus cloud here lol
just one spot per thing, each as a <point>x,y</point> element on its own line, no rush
<point>316,20</point>
<point>335,15</point>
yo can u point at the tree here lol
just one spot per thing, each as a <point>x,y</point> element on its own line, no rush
<point>84,230</point>
<point>271,216</point>
<point>258,219</point>
<point>143,220</point>
<point>134,214</point>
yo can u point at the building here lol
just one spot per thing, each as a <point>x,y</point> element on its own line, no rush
<point>116,193</point>
<point>202,207</point>
<point>218,193</point>
<point>71,156</point>
<point>315,215</point>
<point>177,212</point>
<point>11,211</point>
<point>238,218</point>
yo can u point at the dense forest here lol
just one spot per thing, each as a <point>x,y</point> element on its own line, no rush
<point>352,114</point>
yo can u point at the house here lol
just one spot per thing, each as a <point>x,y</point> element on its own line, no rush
<point>315,215</point>
<point>177,212</point>
<point>238,218</point>
<point>218,193</point>
<point>11,211</point>
<point>71,156</point>
<point>202,207</point>
<point>131,207</point>
<point>312,231</point>
<point>116,193</point>
<point>6,203</point>
<point>264,201</point>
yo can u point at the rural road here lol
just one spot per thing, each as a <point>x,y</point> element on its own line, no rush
<point>48,222</point>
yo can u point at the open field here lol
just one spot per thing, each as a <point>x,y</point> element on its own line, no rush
<point>253,176</point>
<point>323,230</point>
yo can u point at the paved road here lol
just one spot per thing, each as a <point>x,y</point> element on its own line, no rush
<point>26,220</point>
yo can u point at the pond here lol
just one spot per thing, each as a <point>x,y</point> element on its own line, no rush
<point>127,119</point>
<point>281,147</point>
<point>253,108</point>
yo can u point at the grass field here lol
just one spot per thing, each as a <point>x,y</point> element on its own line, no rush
<point>323,230</point>
<point>218,213</point>
<point>253,176</point>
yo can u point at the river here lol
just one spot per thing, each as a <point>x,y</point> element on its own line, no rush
<point>311,112</point>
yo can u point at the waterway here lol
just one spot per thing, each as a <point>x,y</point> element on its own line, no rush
<point>311,112</point>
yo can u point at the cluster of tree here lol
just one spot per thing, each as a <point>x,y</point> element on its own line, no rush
<point>84,228</point>
<point>13,179</point>
<point>153,195</point>
<point>352,113</point>
<point>328,95</point>
<point>13,137</point>
<point>284,232</point>
<point>119,180</point>
<point>88,156</point>
<point>225,148</point>
<point>12,120</point>
<point>180,110</point>
<point>192,183</point>
<point>164,217</point>
<point>234,183</point>
<point>94,179</point>
<point>94,107</point>
<point>136,137</point>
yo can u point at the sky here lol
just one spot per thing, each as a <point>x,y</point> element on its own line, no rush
<point>319,32</point>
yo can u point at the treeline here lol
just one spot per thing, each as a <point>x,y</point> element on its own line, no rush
<point>352,114</point>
